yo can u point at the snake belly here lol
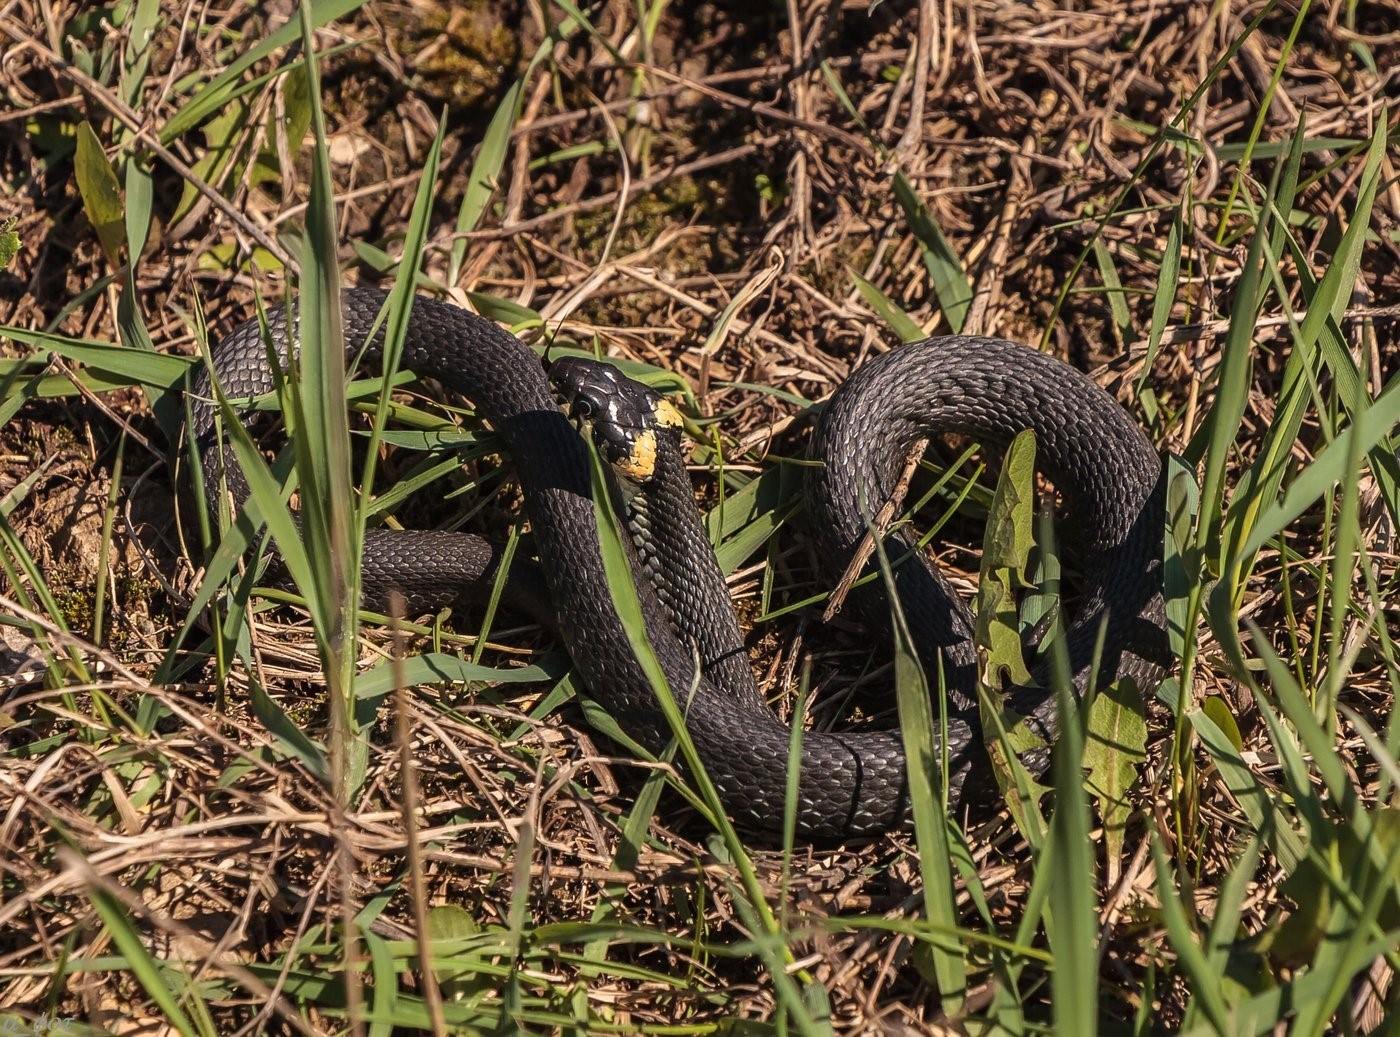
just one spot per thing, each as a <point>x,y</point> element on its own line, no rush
<point>851,783</point>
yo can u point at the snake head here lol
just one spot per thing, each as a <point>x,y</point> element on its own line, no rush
<point>621,416</point>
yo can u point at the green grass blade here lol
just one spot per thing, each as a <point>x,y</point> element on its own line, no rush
<point>144,966</point>
<point>485,172</point>
<point>321,444</point>
<point>1330,466</point>
<point>1205,982</point>
<point>442,668</point>
<point>1113,286</point>
<point>398,309</point>
<point>215,94</point>
<point>1334,290</point>
<point>1149,155</point>
<point>927,769</point>
<point>1163,297</point>
<point>1070,864</point>
<point>945,271</point>
<point>623,592</point>
<point>889,311</point>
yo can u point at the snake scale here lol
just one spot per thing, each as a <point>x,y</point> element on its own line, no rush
<point>851,783</point>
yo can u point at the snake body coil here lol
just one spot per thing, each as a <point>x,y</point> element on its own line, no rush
<point>851,783</point>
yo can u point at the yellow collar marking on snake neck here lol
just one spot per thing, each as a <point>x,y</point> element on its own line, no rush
<point>641,464</point>
<point>666,414</point>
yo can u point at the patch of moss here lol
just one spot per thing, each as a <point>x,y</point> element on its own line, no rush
<point>708,203</point>
<point>832,276</point>
<point>460,54</point>
<point>678,202</point>
<point>73,601</point>
<point>646,217</point>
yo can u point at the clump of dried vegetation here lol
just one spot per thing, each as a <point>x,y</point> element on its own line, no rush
<point>1197,203</point>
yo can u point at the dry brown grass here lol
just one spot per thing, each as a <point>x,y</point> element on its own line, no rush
<point>740,173</point>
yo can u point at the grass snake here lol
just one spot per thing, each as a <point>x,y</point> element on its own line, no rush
<point>851,783</point>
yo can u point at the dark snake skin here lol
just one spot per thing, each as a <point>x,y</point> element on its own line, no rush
<point>851,784</point>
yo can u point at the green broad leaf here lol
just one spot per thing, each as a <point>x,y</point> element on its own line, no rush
<point>453,924</point>
<point>441,668</point>
<point>1114,752</point>
<point>1006,554</point>
<point>1219,712</point>
<point>296,105</point>
<point>945,271</point>
<point>230,255</point>
<point>52,136</point>
<point>100,192</point>
<point>889,311</point>
<point>9,242</point>
<point>998,635</point>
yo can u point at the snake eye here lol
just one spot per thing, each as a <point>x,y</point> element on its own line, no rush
<point>583,408</point>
